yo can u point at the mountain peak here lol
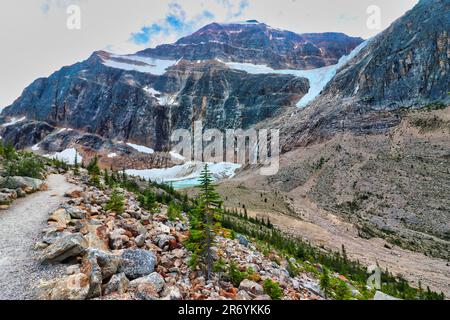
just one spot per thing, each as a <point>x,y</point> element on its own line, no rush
<point>255,42</point>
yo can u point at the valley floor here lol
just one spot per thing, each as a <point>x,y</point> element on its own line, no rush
<point>21,225</point>
<point>324,229</point>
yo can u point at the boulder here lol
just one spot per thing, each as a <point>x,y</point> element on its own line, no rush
<point>243,295</point>
<point>137,263</point>
<point>66,247</point>
<point>117,284</point>
<point>59,218</point>
<point>53,233</point>
<point>90,267</point>
<point>154,279</point>
<point>75,213</point>
<point>242,240</point>
<point>97,237</point>
<point>164,240</point>
<point>74,194</point>
<point>251,286</point>
<point>27,184</point>
<point>140,240</point>
<point>172,293</point>
<point>146,292</point>
<point>108,262</point>
<point>73,287</point>
<point>5,198</point>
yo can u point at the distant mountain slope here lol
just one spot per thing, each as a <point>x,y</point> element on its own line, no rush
<point>407,65</point>
<point>141,98</point>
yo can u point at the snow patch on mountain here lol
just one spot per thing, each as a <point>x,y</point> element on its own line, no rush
<point>142,149</point>
<point>139,63</point>
<point>13,121</point>
<point>318,78</point>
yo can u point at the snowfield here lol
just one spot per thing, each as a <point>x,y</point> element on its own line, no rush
<point>67,156</point>
<point>139,63</point>
<point>142,149</point>
<point>13,121</point>
<point>188,174</point>
<point>318,78</point>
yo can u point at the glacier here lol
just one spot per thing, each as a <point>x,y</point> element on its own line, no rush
<point>188,174</point>
<point>318,78</point>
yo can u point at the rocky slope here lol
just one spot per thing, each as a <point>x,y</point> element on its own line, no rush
<point>140,255</point>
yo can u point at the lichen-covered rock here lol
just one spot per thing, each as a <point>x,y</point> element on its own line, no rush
<point>137,263</point>
<point>74,287</point>
<point>251,286</point>
<point>117,284</point>
<point>154,279</point>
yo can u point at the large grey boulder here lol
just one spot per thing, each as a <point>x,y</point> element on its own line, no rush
<point>137,263</point>
<point>25,183</point>
<point>66,247</point>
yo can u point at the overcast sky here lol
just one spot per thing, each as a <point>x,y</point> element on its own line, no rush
<point>35,40</point>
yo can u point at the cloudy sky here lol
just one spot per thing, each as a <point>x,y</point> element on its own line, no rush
<point>36,41</point>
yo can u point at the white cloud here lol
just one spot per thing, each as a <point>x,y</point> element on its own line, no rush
<point>35,40</point>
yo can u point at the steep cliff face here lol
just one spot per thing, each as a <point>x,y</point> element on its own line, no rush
<point>142,107</point>
<point>259,43</point>
<point>406,66</point>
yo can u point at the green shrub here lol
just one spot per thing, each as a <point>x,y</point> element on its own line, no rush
<point>174,212</point>
<point>272,289</point>
<point>116,202</point>
<point>235,275</point>
<point>342,291</point>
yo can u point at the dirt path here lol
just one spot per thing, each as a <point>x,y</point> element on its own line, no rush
<point>20,226</point>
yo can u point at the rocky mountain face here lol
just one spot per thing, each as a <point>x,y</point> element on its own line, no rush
<point>406,66</point>
<point>259,43</point>
<point>141,107</point>
<point>373,148</point>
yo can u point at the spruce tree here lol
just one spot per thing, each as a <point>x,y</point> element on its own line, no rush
<point>202,223</point>
<point>76,166</point>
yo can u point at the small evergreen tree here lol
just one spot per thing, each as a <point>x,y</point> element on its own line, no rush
<point>116,202</point>
<point>94,172</point>
<point>76,166</point>
<point>325,282</point>
<point>202,223</point>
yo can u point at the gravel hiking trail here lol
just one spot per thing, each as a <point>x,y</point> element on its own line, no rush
<point>20,227</point>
